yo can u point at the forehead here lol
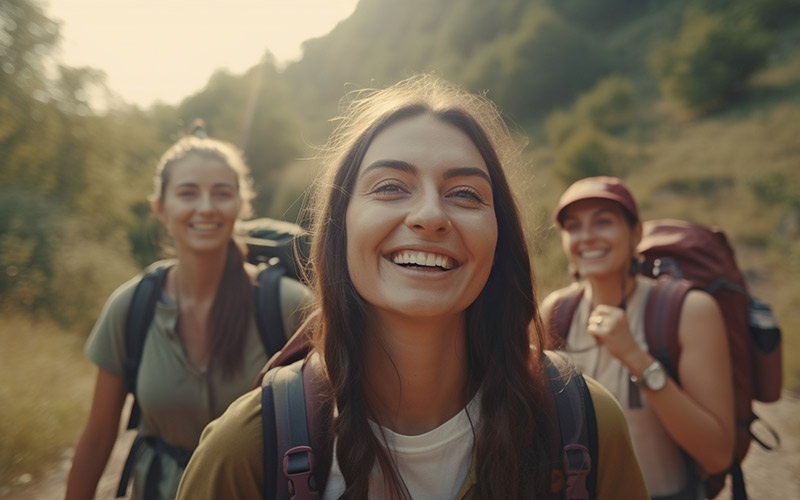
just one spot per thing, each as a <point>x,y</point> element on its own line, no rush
<point>424,141</point>
<point>593,206</point>
<point>198,169</point>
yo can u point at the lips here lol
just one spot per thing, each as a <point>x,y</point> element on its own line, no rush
<point>593,254</point>
<point>205,226</point>
<point>422,259</point>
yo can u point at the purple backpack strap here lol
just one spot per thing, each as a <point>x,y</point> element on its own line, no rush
<point>662,317</point>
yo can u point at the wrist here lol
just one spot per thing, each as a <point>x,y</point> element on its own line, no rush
<point>636,362</point>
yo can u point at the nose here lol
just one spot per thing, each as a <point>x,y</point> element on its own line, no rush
<point>428,215</point>
<point>205,203</point>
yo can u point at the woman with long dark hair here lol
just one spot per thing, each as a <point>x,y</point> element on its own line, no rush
<point>202,348</point>
<point>428,330</point>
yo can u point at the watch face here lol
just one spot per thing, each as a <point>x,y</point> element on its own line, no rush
<point>655,378</point>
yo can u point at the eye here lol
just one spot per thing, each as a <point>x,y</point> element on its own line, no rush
<point>224,193</point>
<point>389,189</point>
<point>467,194</point>
<point>186,193</point>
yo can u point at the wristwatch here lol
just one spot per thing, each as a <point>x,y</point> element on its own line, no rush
<point>654,377</point>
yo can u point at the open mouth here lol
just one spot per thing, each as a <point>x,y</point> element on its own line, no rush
<point>593,254</point>
<point>411,258</point>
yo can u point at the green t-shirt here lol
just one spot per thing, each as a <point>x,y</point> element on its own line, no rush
<point>229,460</point>
<point>177,399</point>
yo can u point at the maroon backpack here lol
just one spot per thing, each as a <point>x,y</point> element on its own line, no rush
<point>296,412</point>
<point>683,256</point>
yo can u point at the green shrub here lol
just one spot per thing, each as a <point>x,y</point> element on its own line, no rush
<point>609,104</point>
<point>712,58</point>
<point>586,153</point>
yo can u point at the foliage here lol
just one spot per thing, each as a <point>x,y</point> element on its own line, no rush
<point>45,386</point>
<point>608,106</point>
<point>585,154</point>
<point>712,59</point>
<point>542,65</point>
<point>598,15</point>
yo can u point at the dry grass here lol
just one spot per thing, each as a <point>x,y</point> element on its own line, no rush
<point>45,389</point>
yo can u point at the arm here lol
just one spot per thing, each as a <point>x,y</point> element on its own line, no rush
<point>698,414</point>
<point>99,435</point>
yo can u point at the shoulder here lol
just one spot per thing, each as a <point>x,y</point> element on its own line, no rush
<point>549,303</point>
<point>618,472</point>
<point>228,461</point>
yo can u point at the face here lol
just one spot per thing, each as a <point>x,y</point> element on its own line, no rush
<point>421,227</point>
<point>200,204</point>
<point>597,238</point>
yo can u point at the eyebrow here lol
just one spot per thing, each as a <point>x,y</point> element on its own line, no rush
<point>196,185</point>
<point>411,169</point>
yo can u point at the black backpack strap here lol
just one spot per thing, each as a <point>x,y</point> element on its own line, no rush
<point>140,315</point>
<point>269,318</point>
<point>291,423</point>
<point>562,312</point>
<point>577,424</point>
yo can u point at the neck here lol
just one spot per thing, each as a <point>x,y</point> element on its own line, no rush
<point>416,373</point>
<point>197,276</point>
<point>611,291</point>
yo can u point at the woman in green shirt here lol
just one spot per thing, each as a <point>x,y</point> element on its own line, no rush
<point>202,349</point>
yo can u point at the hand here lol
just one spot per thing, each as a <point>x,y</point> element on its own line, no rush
<point>609,326</point>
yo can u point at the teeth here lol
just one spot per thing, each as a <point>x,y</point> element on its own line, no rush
<point>423,259</point>
<point>204,226</point>
<point>592,254</point>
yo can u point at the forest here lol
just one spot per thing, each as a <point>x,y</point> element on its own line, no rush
<point>695,103</point>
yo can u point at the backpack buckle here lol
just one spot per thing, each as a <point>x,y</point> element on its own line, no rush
<point>578,464</point>
<point>297,467</point>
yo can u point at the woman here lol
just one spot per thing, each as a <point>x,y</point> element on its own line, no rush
<point>202,348</point>
<point>424,287</point>
<point>600,230</point>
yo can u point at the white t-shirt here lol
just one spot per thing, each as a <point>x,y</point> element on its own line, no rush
<point>433,466</point>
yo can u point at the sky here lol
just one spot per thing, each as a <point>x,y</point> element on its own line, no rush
<point>165,50</point>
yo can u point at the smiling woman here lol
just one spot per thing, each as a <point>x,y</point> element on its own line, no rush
<point>427,341</point>
<point>184,41</point>
<point>201,347</point>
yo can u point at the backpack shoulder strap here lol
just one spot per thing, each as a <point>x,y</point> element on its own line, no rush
<point>269,318</point>
<point>661,319</point>
<point>562,312</point>
<point>140,315</point>
<point>297,453</point>
<point>571,410</point>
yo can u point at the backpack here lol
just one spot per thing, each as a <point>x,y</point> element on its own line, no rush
<point>296,413</point>
<point>276,242</point>
<point>270,245</point>
<point>682,256</point>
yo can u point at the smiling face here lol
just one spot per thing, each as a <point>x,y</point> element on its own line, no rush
<point>421,226</point>
<point>200,204</point>
<point>597,237</point>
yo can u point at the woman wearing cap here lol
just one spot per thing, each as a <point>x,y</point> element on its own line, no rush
<point>600,230</point>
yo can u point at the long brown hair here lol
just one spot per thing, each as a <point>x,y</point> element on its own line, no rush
<point>510,451</point>
<point>232,309</point>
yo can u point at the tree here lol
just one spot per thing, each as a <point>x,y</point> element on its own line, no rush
<point>712,59</point>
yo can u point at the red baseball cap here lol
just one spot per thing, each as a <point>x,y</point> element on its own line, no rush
<point>608,188</point>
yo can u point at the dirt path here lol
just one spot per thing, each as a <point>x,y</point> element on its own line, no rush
<point>773,475</point>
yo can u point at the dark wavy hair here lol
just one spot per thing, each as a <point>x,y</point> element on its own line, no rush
<point>503,328</point>
<point>232,308</point>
